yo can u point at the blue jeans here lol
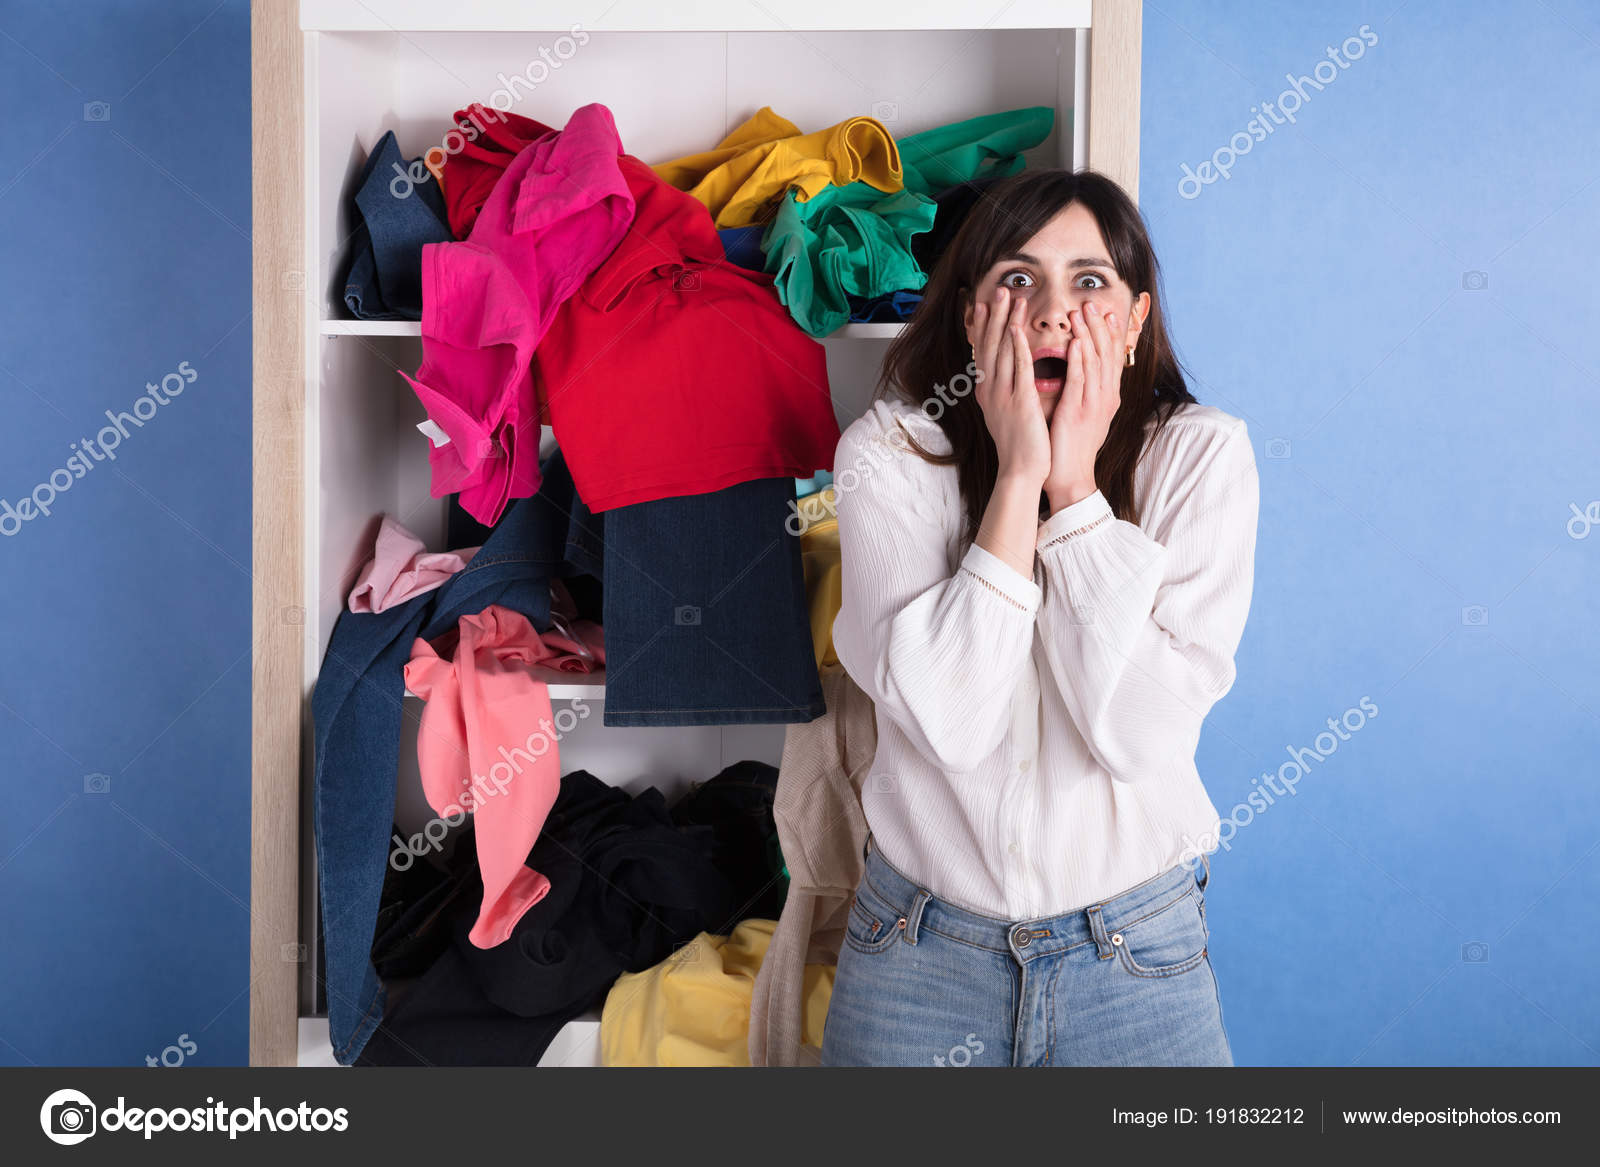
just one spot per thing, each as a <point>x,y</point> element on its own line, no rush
<point>1124,982</point>
<point>394,215</point>
<point>705,611</point>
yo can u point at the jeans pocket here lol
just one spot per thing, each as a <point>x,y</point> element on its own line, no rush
<point>1169,941</point>
<point>873,924</point>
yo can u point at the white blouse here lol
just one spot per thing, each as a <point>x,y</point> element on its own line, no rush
<point>1036,737</point>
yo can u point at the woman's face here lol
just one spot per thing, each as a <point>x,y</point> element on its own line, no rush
<point>1057,273</point>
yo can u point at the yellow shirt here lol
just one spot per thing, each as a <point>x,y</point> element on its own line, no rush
<point>693,1009</point>
<point>819,559</point>
<point>749,171</point>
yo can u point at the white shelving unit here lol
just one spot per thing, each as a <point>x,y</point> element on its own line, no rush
<point>412,328</point>
<point>676,77</point>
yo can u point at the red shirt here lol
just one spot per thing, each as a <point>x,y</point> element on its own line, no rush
<point>490,139</point>
<point>673,372</point>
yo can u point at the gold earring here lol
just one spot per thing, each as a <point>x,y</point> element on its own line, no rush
<point>1130,358</point>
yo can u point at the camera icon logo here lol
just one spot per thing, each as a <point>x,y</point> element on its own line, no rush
<point>96,111</point>
<point>97,783</point>
<point>885,111</point>
<point>686,281</point>
<point>67,1117</point>
<point>686,614</point>
<point>1475,952</point>
<point>1475,615</point>
<point>1474,281</point>
<point>1278,449</point>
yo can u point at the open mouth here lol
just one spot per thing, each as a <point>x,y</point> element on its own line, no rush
<point>1050,369</point>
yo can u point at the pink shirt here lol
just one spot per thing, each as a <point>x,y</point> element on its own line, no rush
<point>557,212</point>
<point>402,568</point>
<point>487,744</point>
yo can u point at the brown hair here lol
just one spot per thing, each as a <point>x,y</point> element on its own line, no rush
<point>933,351</point>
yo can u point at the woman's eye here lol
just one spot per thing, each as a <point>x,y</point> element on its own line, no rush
<point>1098,282</point>
<point>1008,280</point>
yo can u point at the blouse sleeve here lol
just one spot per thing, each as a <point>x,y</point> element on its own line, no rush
<point>940,652</point>
<point>1140,629</point>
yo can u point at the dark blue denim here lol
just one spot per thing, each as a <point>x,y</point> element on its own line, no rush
<point>889,308</point>
<point>394,214</point>
<point>705,611</point>
<point>954,204</point>
<point>356,707</point>
<point>741,246</point>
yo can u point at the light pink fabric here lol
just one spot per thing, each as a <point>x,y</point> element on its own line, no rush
<point>486,744</point>
<point>558,211</point>
<point>402,567</point>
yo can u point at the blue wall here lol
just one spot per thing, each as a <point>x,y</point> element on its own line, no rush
<point>1397,292</point>
<point>124,700</point>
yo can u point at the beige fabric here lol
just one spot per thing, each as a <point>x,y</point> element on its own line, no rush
<point>817,809</point>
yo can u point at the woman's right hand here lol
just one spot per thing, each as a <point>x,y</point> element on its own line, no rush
<point>1005,389</point>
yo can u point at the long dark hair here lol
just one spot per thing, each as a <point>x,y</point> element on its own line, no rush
<point>933,351</point>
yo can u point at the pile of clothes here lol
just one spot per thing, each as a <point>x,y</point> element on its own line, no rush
<point>679,534</point>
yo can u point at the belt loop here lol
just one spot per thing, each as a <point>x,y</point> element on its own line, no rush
<point>1097,929</point>
<point>914,914</point>
<point>1206,878</point>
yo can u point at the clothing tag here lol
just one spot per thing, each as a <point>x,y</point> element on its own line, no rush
<point>433,433</point>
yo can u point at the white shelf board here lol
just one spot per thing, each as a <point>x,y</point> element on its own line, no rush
<point>566,685</point>
<point>413,328</point>
<point>396,16</point>
<point>577,1043</point>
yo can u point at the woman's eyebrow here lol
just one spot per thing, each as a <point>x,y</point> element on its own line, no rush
<point>1081,261</point>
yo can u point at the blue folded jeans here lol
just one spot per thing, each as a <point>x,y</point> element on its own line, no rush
<point>396,209</point>
<point>356,708</point>
<point>705,611</point>
<point>1124,982</point>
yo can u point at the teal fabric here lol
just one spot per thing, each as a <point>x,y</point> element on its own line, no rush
<point>855,240</point>
<point>843,241</point>
<point>818,481</point>
<point>990,146</point>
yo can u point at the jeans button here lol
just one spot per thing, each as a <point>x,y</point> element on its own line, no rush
<point>1021,937</point>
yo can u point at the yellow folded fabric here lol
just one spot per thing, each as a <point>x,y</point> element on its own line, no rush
<point>693,1009</point>
<point>819,560</point>
<point>742,180</point>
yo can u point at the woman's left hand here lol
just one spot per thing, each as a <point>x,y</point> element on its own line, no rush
<point>1089,400</point>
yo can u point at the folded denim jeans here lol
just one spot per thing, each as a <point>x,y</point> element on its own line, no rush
<point>396,209</point>
<point>705,611</point>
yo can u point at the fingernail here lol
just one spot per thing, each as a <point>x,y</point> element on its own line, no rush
<point>1111,319</point>
<point>1094,309</point>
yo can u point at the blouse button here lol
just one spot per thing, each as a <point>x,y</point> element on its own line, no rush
<point>1023,765</point>
<point>1013,848</point>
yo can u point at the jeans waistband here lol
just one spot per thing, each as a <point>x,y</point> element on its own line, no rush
<point>1098,923</point>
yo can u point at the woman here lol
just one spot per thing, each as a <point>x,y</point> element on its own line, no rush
<point>1045,578</point>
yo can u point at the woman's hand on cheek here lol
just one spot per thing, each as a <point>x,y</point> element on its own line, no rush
<point>1005,392</point>
<point>1089,400</point>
